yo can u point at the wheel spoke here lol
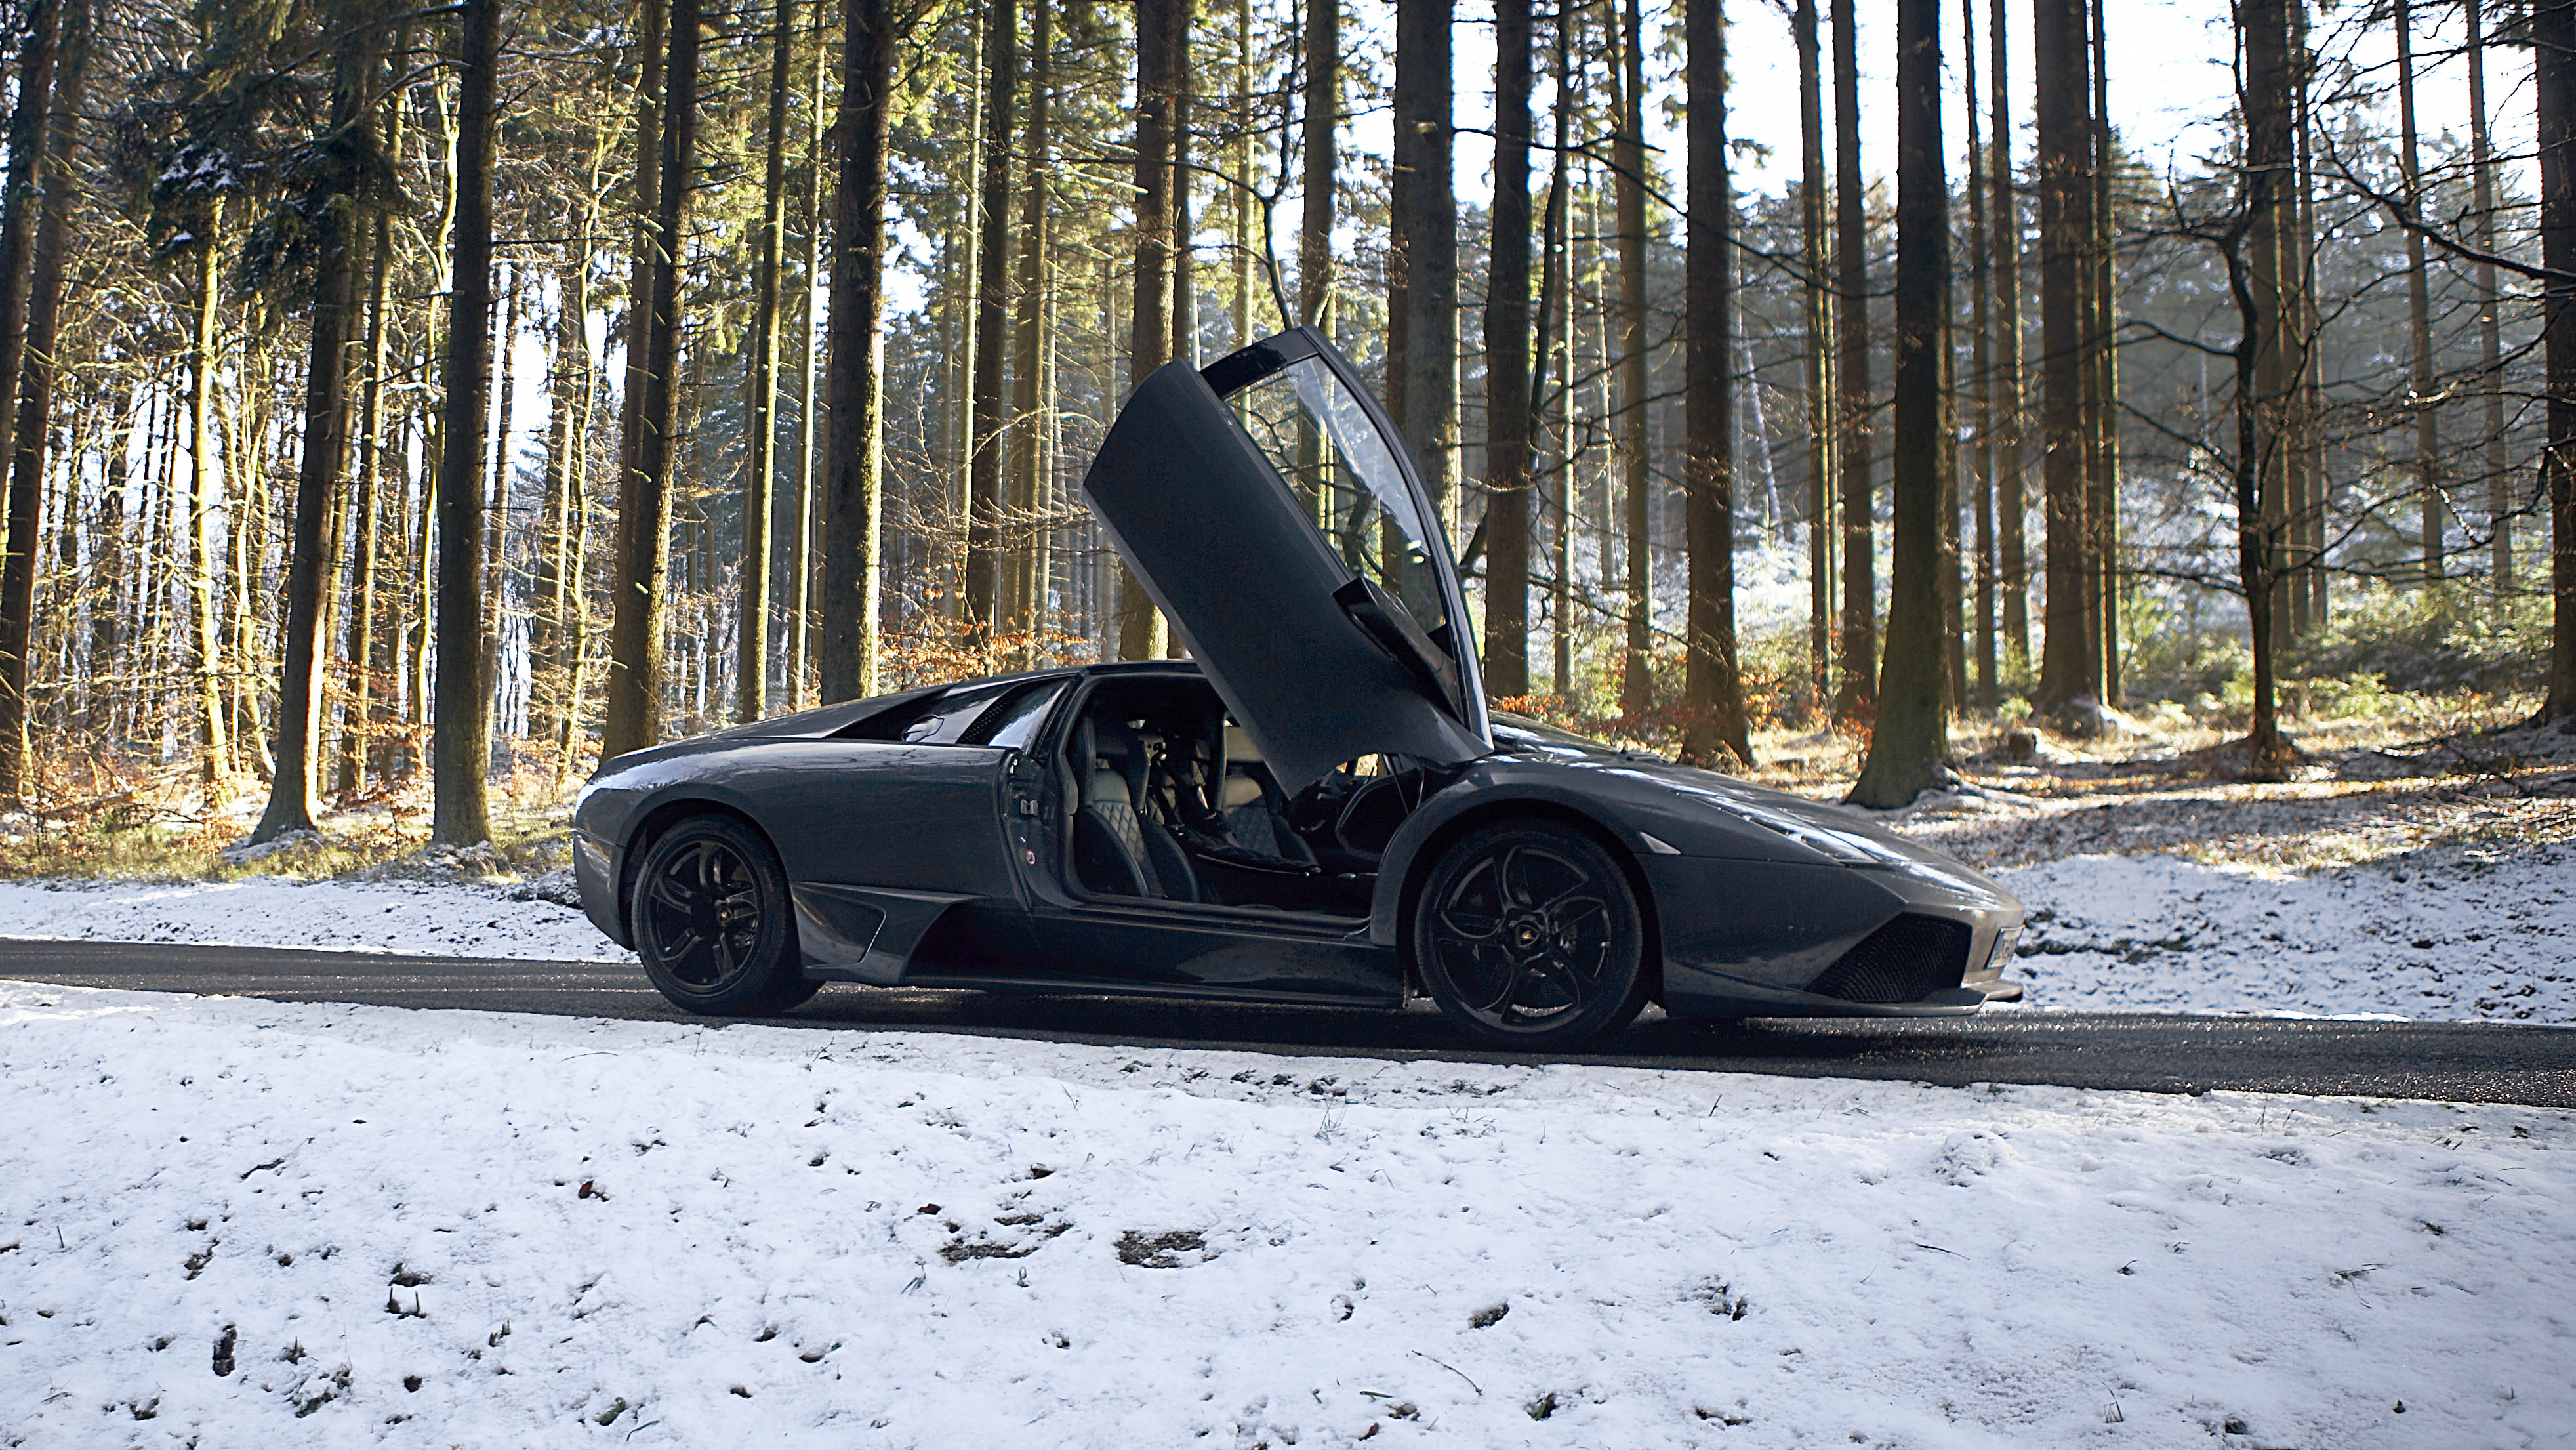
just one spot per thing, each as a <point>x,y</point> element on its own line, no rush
<point>1570,911</point>
<point>1501,999</point>
<point>1470,925</point>
<point>674,894</point>
<point>1514,877</point>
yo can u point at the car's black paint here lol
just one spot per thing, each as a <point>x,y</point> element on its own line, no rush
<point>912,865</point>
<point>947,863</point>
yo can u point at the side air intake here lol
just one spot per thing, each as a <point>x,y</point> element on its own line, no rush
<point>1906,960</point>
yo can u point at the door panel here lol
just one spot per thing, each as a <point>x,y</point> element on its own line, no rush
<point>1233,554</point>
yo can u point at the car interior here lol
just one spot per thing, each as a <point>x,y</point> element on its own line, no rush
<point>1174,803</point>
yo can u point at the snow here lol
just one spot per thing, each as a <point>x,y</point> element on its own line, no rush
<point>915,1240</point>
<point>2450,933</point>
<point>407,918</point>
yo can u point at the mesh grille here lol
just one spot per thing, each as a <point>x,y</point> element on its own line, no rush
<point>1906,960</point>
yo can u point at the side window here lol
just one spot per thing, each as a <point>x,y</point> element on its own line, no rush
<point>1009,725</point>
<point>943,719</point>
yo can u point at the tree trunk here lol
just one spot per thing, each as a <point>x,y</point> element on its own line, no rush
<point>636,629</point>
<point>984,482</point>
<point>2012,554</point>
<point>2261,380</point>
<point>462,743</point>
<point>1556,336</point>
<point>1711,685</point>
<point>2500,506</point>
<point>2553,36</point>
<point>1911,737</point>
<point>1026,592</point>
<point>1856,685</point>
<point>359,720</point>
<point>496,514</point>
<point>1507,364</point>
<point>1981,430</point>
<point>1817,313</point>
<point>2102,501</point>
<point>205,496</point>
<point>854,465</point>
<point>760,493</point>
<point>1628,189</point>
<point>318,481</point>
<point>1185,290</point>
<point>1159,46</point>
<point>809,425</point>
<point>2061,52</point>
<point>1322,120</point>
<point>29,138</point>
<point>2419,306</point>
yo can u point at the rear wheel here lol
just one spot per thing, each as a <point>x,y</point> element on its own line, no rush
<point>712,922</point>
<point>1528,935</point>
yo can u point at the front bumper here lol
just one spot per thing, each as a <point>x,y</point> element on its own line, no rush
<point>595,872</point>
<point>1753,938</point>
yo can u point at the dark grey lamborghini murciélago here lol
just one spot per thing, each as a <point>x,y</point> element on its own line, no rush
<point>1316,807</point>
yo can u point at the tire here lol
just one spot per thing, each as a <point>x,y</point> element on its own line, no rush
<point>1529,936</point>
<point>712,921</point>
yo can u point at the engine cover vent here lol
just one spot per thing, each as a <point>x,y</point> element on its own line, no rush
<point>1906,960</point>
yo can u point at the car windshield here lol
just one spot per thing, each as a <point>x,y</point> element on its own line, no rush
<point>1320,438</point>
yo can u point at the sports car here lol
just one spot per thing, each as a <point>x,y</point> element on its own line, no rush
<point>1317,805</point>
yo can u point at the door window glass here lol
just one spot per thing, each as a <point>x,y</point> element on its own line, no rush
<point>1320,438</point>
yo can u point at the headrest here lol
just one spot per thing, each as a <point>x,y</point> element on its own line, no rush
<point>1239,746</point>
<point>1241,790</point>
<point>1109,787</point>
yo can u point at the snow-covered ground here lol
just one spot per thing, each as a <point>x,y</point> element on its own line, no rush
<point>231,1222</point>
<point>2449,934</point>
<point>411,918</point>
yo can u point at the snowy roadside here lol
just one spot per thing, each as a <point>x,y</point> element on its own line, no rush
<point>407,918</point>
<point>415,1228</point>
<point>2451,933</point>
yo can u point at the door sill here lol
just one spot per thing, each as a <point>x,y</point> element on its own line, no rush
<point>1117,987</point>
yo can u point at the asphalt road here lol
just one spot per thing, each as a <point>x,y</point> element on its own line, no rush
<point>2453,1061</point>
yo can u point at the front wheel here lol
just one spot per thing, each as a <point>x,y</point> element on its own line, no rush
<point>712,923</point>
<point>1528,935</point>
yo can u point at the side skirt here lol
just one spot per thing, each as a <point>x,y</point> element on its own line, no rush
<point>863,933</point>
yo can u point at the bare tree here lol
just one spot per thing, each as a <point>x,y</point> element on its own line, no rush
<point>1817,313</point>
<point>1628,198</point>
<point>2061,51</point>
<point>1507,363</point>
<point>1712,685</point>
<point>854,467</point>
<point>1856,683</point>
<point>19,207</point>
<point>760,488</point>
<point>636,625</point>
<point>2553,39</point>
<point>1911,737</point>
<point>343,196</point>
<point>1160,45</point>
<point>461,745</point>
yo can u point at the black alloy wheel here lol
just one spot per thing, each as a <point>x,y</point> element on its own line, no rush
<point>1528,934</point>
<point>712,922</point>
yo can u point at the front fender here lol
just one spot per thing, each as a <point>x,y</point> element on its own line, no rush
<point>1645,817</point>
